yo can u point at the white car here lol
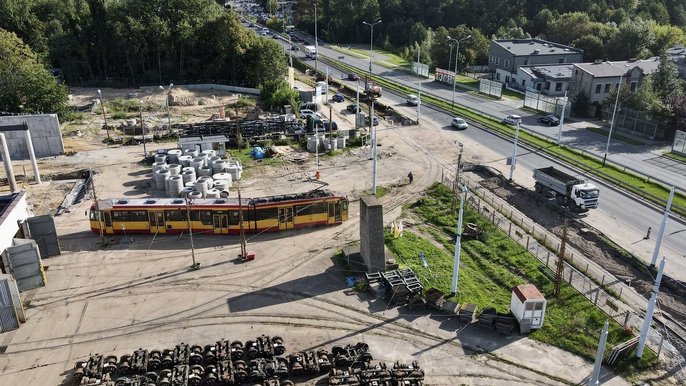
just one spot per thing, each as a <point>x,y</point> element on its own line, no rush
<point>513,120</point>
<point>304,113</point>
<point>459,123</point>
<point>412,100</point>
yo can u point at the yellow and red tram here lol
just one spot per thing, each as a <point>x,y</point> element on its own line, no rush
<point>218,216</point>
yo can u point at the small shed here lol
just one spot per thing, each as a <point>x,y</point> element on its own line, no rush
<point>528,306</point>
<point>205,142</point>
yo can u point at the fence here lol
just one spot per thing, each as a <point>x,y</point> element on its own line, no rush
<point>679,145</point>
<point>635,122</point>
<point>601,288</point>
<point>491,87</point>
<point>548,104</point>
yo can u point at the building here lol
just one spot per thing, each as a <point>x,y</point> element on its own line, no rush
<point>13,211</point>
<point>528,307</point>
<point>598,79</point>
<point>678,55</point>
<point>552,80</point>
<point>506,55</point>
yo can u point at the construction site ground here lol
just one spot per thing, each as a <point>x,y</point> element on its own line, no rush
<point>138,291</point>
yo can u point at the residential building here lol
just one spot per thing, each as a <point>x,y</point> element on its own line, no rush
<point>506,55</point>
<point>552,80</point>
<point>598,79</point>
<point>678,56</point>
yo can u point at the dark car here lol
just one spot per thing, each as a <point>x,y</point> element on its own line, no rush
<point>549,120</point>
<point>353,76</point>
<point>352,108</point>
<point>375,120</point>
<point>338,98</point>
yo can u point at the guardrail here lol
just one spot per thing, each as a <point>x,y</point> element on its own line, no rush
<point>478,116</point>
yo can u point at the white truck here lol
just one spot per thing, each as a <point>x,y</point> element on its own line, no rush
<point>575,193</point>
<point>310,51</point>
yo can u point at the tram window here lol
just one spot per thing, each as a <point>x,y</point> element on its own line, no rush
<point>234,218</point>
<point>195,215</point>
<point>133,215</point>
<point>206,217</point>
<point>315,208</point>
<point>176,215</point>
<point>344,204</point>
<point>92,215</point>
<point>266,214</point>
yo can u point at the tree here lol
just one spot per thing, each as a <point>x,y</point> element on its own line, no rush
<point>665,80</point>
<point>26,86</point>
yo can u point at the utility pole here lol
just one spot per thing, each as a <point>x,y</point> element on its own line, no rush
<point>419,85</point>
<point>372,130</point>
<point>513,163</point>
<point>663,225</point>
<point>458,243</point>
<point>595,375</point>
<point>145,151</point>
<point>316,43</point>
<point>97,208</point>
<point>560,261</point>
<point>168,113</point>
<point>649,311</point>
<point>104,116</point>
<point>357,103</point>
<point>456,183</point>
<point>562,119</point>
<point>243,254</point>
<point>330,129</point>
<point>195,265</point>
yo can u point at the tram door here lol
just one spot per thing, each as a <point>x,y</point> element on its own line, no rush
<point>156,220</point>
<point>108,223</point>
<point>334,213</point>
<point>286,218</point>
<point>221,223</point>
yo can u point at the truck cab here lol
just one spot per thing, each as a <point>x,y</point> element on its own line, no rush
<point>585,196</point>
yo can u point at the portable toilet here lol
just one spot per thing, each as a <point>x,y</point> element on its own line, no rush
<point>528,306</point>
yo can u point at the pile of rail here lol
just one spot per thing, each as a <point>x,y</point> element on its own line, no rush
<point>227,363</point>
<point>237,131</point>
<point>399,287</point>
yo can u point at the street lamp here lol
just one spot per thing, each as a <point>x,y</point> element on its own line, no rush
<point>195,264</point>
<point>457,56</point>
<point>371,42</point>
<point>102,106</point>
<point>450,57</point>
<point>513,161</point>
<point>609,135</point>
<point>316,44</point>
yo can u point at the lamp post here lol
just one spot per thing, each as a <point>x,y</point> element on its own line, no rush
<point>371,42</point>
<point>195,265</point>
<point>614,112</point>
<point>457,56</point>
<point>102,106</point>
<point>513,163</point>
<point>450,57</point>
<point>458,243</point>
<point>316,44</point>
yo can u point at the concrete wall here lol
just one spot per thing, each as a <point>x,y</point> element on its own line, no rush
<point>211,86</point>
<point>371,234</point>
<point>16,211</point>
<point>45,134</point>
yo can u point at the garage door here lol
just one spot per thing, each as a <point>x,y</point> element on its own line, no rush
<point>24,262</point>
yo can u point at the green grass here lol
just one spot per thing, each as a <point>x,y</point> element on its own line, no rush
<point>490,267</point>
<point>467,81</point>
<point>391,60</point>
<point>513,94</point>
<point>354,52</point>
<point>615,135</point>
<point>675,156</point>
<point>639,185</point>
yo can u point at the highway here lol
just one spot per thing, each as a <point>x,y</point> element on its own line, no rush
<point>618,214</point>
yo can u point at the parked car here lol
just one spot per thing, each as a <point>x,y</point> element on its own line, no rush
<point>326,123</point>
<point>294,47</point>
<point>375,120</point>
<point>353,76</point>
<point>549,120</point>
<point>275,36</point>
<point>459,123</point>
<point>304,113</point>
<point>352,108</point>
<point>338,97</point>
<point>513,120</point>
<point>412,100</point>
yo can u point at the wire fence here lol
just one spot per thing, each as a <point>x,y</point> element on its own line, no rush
<point>604,290</point>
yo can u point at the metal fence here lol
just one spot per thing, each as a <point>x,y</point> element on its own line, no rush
<point>635,122</point>
<point>679,144</point>
<point>601,288</point>
<point>491,87</point>
<point>548,104</point>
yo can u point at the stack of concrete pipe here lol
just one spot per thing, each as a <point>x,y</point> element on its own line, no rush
<point>193,174</point>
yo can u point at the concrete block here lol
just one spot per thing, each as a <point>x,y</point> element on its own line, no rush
<point>45,134</point>
<point>372,249</point>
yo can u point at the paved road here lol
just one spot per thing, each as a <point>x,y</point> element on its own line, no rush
<point>622,218</point>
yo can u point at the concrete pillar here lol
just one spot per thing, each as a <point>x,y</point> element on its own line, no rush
<point>8,163</point>
<point>32,155</point>
<point>372,247</point>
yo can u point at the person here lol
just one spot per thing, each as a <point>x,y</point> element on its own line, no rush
<point>647,234</point>
<point>410,177</point>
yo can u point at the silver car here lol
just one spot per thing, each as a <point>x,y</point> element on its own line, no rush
<point>459,123</point>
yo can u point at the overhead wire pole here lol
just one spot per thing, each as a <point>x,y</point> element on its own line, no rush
<point>562,119</point>
<point>145,152</point>
<point>595,375</point>
<point>168,113</point>
<point>195,265</point>
<point>97,208</point>
<point>663,225</point>
<point>513,161</point>
<point>316,43</point>
<point>457,56</point>
<point>419,85</point>
<point>614,112</point>
<point>458,243</point>
<point>371,44</point>
<point>649,310</point>
<point>104,116</point>
<point>560,261</point>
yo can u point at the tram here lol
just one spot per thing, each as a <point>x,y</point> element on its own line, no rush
<point>218,216</point>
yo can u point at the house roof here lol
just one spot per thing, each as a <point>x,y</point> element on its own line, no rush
<point>601,69</point>
<point>553,71</point>
<point>526,47</point>
<point>526,292</point>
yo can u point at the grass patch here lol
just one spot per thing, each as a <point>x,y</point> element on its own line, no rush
<point>615,135</point>
<point>507,93</point>
<point>380,191</point>
<point>675,156</point>
<point>639,185</point>
<point>490,267</point>
<point>467,81</point>
<point>354,52</point>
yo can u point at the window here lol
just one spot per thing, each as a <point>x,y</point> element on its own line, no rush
<point>547,85</point>
<point>523,83</point>
<point>497,60</point>
<point>529,306</point>
<point>597,88</point>
<point>538,87</point>
<point>317,208</point>
<point>497,76</point>
<point>132,215</point>
<point>633,86</point>
<point>538,306</point>
<point>205,217</point>
<point>526,61</point>
<point>176,215</point>
<point>607,88</point>
<point>266,214</point>
<point>490,59</point>
<point>576,72</point>
<point>561,60</point>
<point>558,86</point>
<point>506,63</point>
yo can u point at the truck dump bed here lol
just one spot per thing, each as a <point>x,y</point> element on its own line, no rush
<point>555,179</point>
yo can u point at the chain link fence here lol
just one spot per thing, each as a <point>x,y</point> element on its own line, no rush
<point>490,87</point>
<point>635,122</point>
<point>548,104</point>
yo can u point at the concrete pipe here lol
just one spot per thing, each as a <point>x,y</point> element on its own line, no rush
<point>174,169</point>
<point>173,156</point>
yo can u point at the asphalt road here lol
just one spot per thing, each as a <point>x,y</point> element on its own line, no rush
<point>618,213</point>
